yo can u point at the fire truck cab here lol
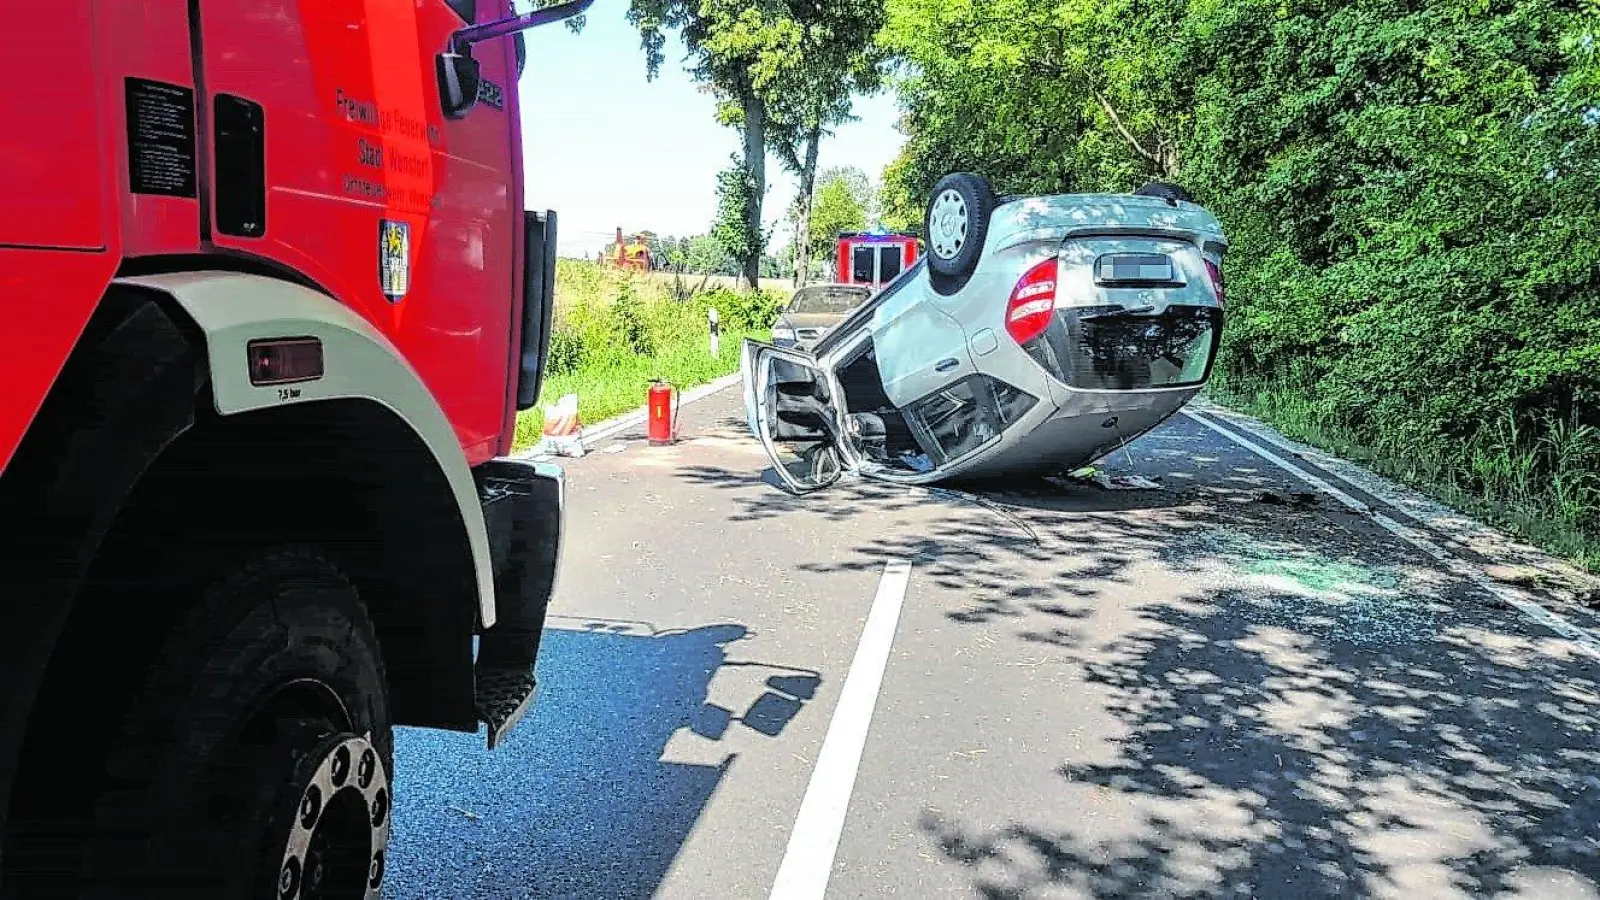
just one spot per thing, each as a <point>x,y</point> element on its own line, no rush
<point>273,304</point>
<point>875,257</point>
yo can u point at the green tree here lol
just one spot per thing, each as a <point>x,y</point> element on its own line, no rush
<point>704,255</point>
<point>837,58</point>
<point>783,72</point>
<point>838,209</point>
<point>739,50</point>
<point>1411,189</point>
<point>857,182</point>
<point>732,228</point>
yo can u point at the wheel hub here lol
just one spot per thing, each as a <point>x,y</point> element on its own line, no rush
<point>339,831</point>
<point>948,224</point>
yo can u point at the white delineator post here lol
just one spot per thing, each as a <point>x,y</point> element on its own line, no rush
<point>716,332</point>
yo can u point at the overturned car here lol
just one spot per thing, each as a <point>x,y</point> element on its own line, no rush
<point>1037,335</point>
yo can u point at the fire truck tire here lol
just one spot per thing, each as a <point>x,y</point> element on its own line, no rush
<point>255,759</point>
<point>954,227</point>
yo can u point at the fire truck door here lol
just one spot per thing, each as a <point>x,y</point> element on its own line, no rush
<point>330,154</point>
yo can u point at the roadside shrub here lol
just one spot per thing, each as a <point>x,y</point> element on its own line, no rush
<point>628,313</point>
<point>744,310</point>
<point>566,352</point>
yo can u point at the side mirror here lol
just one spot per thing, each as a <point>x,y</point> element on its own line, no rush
<point>459,75</point>
<point>458,71</point>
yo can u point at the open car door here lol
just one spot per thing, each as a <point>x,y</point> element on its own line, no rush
<point>790,404</point>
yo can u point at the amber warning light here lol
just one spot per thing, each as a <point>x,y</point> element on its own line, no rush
<point>285,360</point>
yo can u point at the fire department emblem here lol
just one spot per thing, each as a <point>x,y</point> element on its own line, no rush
<point>394,258</point>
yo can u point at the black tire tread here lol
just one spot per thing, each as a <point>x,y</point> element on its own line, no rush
<point>949,276</point>
<point>211,647</point>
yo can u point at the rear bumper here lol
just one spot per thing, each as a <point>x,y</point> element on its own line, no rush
<point>524,507</point>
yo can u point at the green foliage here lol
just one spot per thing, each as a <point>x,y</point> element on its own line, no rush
<point>783,72</point>
<point>744,310</point>
<point>836,209</point>
<point>732,229</point>
<point>614,331</point>
<point>705,254</point>
<point>628,313</point>
<point>1412,191</point>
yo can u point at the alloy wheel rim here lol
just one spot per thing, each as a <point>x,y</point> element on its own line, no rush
<point>948,224</point>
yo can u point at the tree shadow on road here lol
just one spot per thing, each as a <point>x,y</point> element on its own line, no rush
<point>1309,717</point>
<point>581,801</point>
<point>1289,702</point>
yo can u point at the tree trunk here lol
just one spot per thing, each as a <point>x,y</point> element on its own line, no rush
<point>755,160</point>
<point>802,228</point>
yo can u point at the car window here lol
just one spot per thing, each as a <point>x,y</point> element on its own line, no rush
<point>958,419</point>
<point>843,329</point>
<point>827,300</point>
<point>861,259</point>
<point>466,9</point>
<point>889,262</point>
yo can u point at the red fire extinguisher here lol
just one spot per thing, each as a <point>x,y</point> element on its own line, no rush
<point>663,413</point>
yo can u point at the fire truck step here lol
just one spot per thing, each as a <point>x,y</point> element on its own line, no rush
<point>503,697</point>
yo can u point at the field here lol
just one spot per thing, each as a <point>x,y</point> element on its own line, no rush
<point>615,332</point>
<point>777,285</point>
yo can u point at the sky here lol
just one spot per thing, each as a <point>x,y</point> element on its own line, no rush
<point>604,147</point>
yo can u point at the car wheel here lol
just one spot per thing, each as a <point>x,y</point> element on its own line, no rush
<point>255,761</point>
<point>955,227</point>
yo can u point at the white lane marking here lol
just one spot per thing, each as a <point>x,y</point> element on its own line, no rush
<point>808,862</point>
<point>1517,600</point>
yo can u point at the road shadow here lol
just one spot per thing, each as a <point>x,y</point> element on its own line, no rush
<point>581,801</point>
<point>1293,703</point>
<point>1282,745</point>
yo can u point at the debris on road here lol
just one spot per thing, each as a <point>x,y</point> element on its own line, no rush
<point>563,429</point>
<point>1112,482</point>
<point>1299,499</point>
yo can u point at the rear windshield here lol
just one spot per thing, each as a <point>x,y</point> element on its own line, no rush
<point>827,299</point>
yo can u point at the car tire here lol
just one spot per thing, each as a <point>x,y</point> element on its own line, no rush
<point>255,758</point>
<point>954,228</point>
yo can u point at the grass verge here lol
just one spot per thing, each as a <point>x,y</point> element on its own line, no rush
<point>618,386</point>
<point>614,331</point>
<point>1536,488</point>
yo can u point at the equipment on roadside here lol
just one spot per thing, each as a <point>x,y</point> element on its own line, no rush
<point>662,409</point>
<point>562,432</point>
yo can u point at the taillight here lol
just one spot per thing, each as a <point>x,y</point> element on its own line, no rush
<point>1215,271</point>
<point>1033,303</point>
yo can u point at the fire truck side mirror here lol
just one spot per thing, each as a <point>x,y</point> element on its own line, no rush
<point>458,83</point>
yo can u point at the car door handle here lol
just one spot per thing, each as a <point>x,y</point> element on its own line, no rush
<point>945,365</point>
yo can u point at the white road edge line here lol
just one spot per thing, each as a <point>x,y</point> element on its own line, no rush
<point>1517,600</point>
<point>610,427</point>
<point>808,862</point>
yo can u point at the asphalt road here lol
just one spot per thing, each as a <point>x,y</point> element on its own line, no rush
<point>1071,692</point>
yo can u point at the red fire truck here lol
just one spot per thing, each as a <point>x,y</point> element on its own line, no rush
<point>875,257</point>
<point>271,305</point>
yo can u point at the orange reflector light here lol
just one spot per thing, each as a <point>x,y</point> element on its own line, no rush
<point>285,360</point>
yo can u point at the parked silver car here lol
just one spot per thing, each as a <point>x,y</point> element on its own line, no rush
<point>813,311</point>
<point>1036,335</point>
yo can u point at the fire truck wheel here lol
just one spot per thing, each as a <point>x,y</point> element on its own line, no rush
<point>255,759</point>
<point>955,226</point>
